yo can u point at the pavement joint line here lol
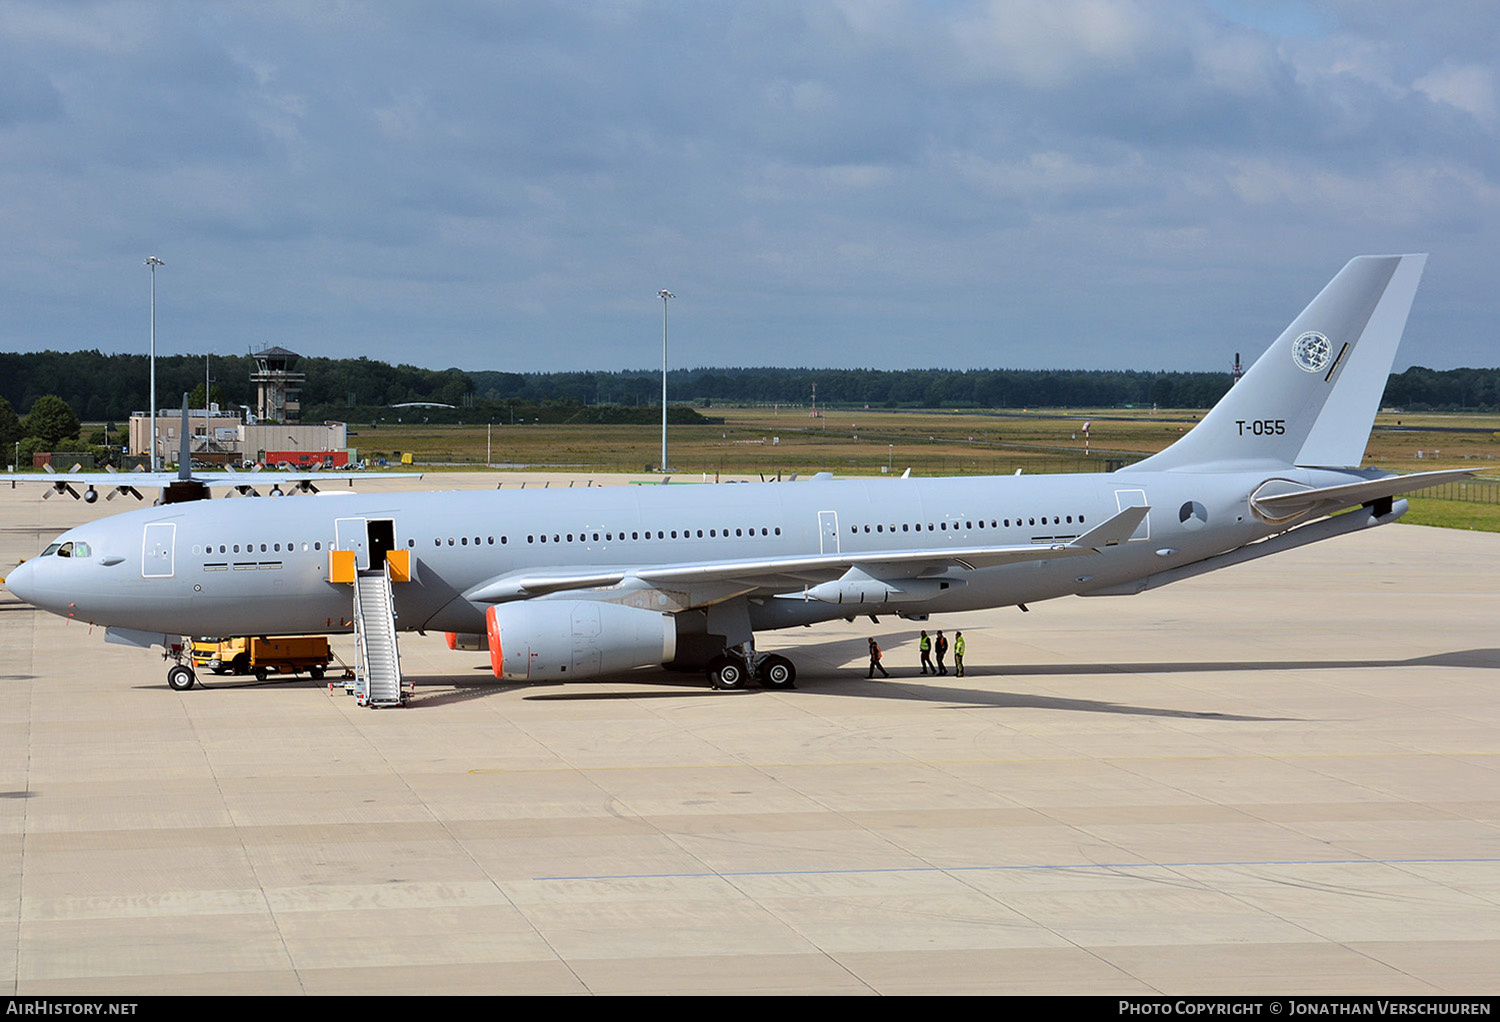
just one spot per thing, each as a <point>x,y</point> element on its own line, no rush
<point>1227,864</point>
<point>979,762</point>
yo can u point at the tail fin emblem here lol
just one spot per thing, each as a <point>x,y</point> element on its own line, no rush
<point>1311,352</point>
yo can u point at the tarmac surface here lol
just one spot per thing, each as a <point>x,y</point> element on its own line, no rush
<point>1279,779</point>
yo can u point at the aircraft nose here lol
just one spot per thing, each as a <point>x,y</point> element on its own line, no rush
<point>20,581</point>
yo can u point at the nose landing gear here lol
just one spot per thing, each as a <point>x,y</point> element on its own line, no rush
<point>180,676</point>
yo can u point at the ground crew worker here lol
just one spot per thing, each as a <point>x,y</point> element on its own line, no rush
<point>925,645</point>
<point>942,651</point>
<point>958,653</point>
<point>875,661</point>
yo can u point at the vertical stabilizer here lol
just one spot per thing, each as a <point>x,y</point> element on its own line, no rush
<point>1311,399</point>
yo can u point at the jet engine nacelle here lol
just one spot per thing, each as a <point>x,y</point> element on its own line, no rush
<point>558,640</point>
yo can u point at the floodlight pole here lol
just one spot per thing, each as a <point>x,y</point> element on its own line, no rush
<point>152,262</point>
<point>664,295</point>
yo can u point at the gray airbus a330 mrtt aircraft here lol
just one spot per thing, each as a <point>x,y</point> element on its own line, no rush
<point>570,584</point>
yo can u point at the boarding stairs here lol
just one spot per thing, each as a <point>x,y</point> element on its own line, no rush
<point>377,680</point>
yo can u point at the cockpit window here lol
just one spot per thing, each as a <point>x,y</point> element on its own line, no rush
<point>69,549</point>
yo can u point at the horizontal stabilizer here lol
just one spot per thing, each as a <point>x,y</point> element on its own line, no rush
<point>1330,498</point>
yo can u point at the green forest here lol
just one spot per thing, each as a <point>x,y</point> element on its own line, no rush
<point>107,388</point>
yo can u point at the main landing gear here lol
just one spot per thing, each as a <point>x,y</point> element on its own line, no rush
<point>739,664</point>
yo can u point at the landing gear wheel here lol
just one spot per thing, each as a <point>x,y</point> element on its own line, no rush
<point>180,678</point>
<point>726,672</point>
<point>777,672</point>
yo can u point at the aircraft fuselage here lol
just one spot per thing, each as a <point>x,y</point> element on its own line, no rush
<point>262,567</point>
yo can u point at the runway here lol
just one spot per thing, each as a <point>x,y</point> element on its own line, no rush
<point>1279,779</point>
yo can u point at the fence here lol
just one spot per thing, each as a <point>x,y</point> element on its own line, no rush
<point>1475,491</point>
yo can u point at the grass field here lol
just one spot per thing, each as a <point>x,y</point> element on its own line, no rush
<point>771,441</point>
<point>1454,514</point>
<point>865,442</point>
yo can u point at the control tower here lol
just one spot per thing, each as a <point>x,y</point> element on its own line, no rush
<point>278,390</point>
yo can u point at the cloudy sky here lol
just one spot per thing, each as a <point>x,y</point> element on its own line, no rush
<point>1147,184</point>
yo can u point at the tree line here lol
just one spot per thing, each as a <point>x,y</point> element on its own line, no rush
<point>108,388</point>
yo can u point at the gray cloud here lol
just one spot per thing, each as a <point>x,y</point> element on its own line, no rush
<point>1094,183</point>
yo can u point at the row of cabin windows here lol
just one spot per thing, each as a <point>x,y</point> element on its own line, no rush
<point>250,548</point>
<point>994,523</point>
<point>606,537</point>
<point>609,537</point>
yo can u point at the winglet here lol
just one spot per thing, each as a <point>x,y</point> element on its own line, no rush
<point>1115,531</point>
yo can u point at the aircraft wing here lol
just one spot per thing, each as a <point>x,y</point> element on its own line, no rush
<point>712,579</point>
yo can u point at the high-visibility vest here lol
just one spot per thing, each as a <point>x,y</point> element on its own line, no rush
<point>958,646</point>
<point>926,644</point>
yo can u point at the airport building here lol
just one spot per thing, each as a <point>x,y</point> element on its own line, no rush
<point>217,437</point>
